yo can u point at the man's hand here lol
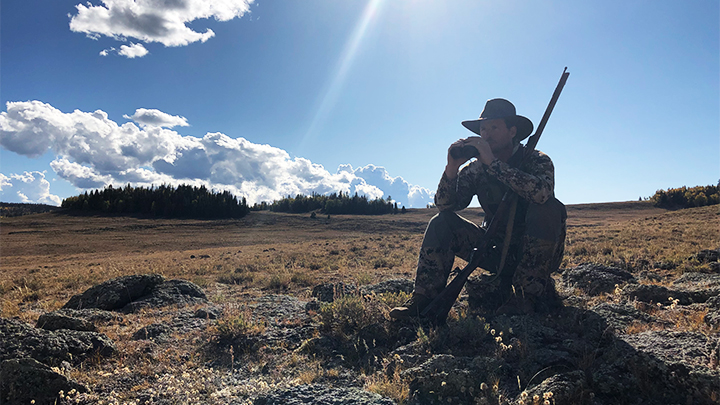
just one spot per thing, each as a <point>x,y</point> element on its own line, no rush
<point>486,153</point>
<point>453,165</point>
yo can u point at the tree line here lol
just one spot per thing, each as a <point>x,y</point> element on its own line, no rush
<point>335,203</point>
<point>685,197</point>
<point>183,201</point>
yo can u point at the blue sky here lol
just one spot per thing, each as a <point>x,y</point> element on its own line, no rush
<point>290,96</point>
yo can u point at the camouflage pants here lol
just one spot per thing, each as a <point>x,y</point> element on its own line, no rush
<point>527,268</point>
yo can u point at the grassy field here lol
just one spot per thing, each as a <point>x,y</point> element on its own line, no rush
<point>47,258</point>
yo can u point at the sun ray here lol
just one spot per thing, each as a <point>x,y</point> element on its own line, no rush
<point>345,61</point>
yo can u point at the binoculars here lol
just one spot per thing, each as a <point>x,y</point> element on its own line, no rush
<point>466,152</point>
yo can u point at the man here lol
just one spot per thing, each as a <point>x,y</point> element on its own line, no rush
<point>521,263</point>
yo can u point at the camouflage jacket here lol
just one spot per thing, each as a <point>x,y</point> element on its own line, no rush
<point>534,182</point>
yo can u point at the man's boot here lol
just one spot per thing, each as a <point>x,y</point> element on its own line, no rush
<point>411,308</point>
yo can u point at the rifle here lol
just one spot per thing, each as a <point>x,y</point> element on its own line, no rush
<point>439,307</point>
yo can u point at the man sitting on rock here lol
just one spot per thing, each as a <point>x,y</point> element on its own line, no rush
<point>520,279</point>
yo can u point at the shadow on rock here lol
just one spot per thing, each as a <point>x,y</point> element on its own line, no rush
<point>572,356</point>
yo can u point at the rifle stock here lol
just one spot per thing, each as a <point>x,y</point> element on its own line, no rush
<point>439,307</point>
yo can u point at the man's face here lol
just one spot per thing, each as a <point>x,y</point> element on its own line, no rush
<point>497,134</point>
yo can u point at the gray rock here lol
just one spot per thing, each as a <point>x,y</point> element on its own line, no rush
<point>317,394</point>
<point>94,315</point>
<point>329,291</point>
<point>396,285</point>
<point>172,292</point>
<point>208,313</point>
<point>712,318</point>
<point>620,316</point>
<point>565,388</point>
<point>116,293</point>
<point>699,287</point>
<point>595,279</point>
<point>445,378</point>
<point>653,294</point>
<point>51,347</point>
<point>156,331</point>
<point>675,366</point>
<point>24,380</point>
<point>55,321</point>
<point>133,293</point>
<point>313,306</point>
<point>707,255</point>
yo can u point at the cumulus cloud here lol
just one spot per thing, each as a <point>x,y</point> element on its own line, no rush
<point>29,187</point>
<point>163,21</point>
<point>156,118</point>
<point>94,151</point>
<point>133,51</point>
<point>396,187</point>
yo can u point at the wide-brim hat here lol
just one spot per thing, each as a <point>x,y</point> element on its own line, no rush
<point>501,108</point>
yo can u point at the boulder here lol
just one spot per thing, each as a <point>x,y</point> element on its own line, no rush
<point>57,320</point>
<point>318,394</point>
<point>133,293</point>
<point>116,293</point>
<point>21,340</point>
<point>708,255</point>
<point>208,313</point>
<point>76,319</point>
<point>595,279</point>
<point>172,292</point>
<point>26,380</point>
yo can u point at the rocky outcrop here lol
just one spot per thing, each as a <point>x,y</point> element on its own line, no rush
<point>316,394</point>
<point>712,318</point>
<point>171,292</point>
<point>83,320</point>
<point>26,380</point>
<point>21,340</point>
<point>574,355</point>
<point>595,279</point>
<point>115,294</point>
<point>132,293</point>
<point>620,316</point>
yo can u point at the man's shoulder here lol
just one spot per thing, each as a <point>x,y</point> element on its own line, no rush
<point>538,154</point>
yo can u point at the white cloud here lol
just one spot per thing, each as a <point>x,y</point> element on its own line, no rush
<point>29,187</point>
<point>396,187</point>
<point>132,51</point>
<point>163,21</point>
<point>94,151</point>
<point>156,118</point>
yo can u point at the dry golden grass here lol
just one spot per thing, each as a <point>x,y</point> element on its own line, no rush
<point>47,258</point>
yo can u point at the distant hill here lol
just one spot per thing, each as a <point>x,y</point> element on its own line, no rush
<point>19,209</point>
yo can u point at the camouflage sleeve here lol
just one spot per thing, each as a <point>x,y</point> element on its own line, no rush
<point>456,194</point>
<point>534,183</point>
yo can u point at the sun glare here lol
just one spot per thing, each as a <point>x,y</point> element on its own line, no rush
<point>345,61</point>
